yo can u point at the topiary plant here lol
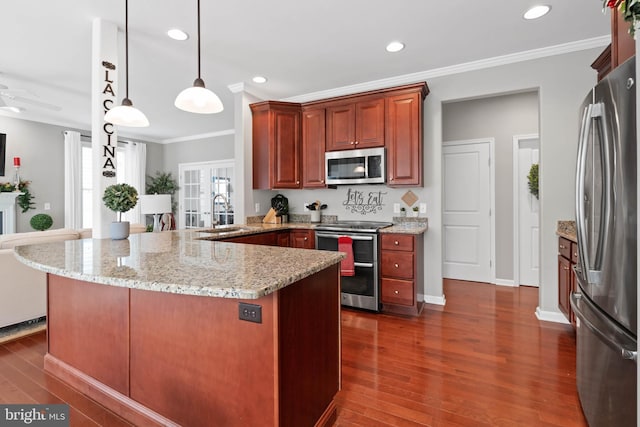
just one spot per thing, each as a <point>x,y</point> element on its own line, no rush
<point>120,198</point>
<point>41,222</point>
<point>533,180</point>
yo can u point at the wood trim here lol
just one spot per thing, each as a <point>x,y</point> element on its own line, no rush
<point>122,405</point>
<point>365,96</point>
<point>329,416</point>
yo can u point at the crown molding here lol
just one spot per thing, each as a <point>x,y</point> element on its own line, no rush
<point>481,64</point>
<point>199,136</point>
<point>236,87</point>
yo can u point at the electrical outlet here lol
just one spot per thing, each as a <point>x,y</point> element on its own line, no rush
<point>250,312</point>
<point>257,207</point>
<point>47,206</point>
<point>423,208</point>
<point>396,208</point>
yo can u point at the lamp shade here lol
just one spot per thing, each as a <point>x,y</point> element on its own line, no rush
<point>126,115</point>
<point>155,203</point>
<point>198,99</point>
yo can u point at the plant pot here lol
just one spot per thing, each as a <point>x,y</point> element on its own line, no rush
<point>119,230</point>
<point>415,214</point>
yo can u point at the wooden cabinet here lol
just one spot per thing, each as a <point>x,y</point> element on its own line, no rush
<point>355,125</point>
<point>313,147</point>
<point>403,140</point>
<point>276,145</point>
<point>268,239</point>
<point>622,46</point>
<point>567,258</point>
<point>283,239</point>
<point>402,273</point>
<point>302,239</point>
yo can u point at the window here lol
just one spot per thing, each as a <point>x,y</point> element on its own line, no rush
<point>87,181</point>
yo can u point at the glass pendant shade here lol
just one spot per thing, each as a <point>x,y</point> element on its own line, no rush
<point>126,115</point>
<point>199,99</point>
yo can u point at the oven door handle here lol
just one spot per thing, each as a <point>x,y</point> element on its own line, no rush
<point>363,264</point>
<point>335,236</point>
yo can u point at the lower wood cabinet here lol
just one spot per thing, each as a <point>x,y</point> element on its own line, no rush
<point>402,273</point>
<point>302,239</point>
<point>295,238</point>
<point>567,258</point>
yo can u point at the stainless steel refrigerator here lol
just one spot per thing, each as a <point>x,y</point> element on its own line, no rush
<point>605,303</point>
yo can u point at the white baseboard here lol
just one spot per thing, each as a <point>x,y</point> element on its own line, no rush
<point>504,282</point>
<point>551,316</point>
<point>437,300</point>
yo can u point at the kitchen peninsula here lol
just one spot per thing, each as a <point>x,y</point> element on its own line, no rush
<point>149,327</point>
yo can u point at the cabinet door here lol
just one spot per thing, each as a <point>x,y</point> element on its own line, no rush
<point>397,264</point>
<point>341,132</point>
<point>404,140</point>
<point>395,291</point>
<point>564,285</point>
<point>623,45</point>
<point>302,239</point>
<point>286,149</point>
<point>283,239</point>
<point>313,142</point>
<point>370,124</point>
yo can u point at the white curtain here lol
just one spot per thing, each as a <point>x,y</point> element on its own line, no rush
<point>72,180</point>
<point>134,174</point>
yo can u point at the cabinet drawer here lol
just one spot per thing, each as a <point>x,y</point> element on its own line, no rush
<point>397,242</point>
<point>574,252</point>
<point>564,247</point>
<point>397,264</point>
<point>397,292</point>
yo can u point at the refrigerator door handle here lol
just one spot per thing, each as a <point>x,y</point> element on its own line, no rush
<point>580,184</point>
<point>606,205</point>
<point>584,318</point>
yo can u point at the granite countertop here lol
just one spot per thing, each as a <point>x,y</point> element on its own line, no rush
<point>180,262</point>
<point>407,225</point>
<point>567,229</point>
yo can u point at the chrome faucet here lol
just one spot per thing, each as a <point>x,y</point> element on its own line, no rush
<point>214,217</point>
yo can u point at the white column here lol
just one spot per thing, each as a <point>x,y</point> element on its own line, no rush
<point>637,31</point>
<point>104,91</point>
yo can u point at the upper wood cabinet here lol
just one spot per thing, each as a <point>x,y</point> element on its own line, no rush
<point>623,46</point>
<point>403,138</point>
<point>276,145</point>
<point>355,125</point>
<point>313,147</point>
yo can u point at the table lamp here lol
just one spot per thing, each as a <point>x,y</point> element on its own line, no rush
<point>155,204</point>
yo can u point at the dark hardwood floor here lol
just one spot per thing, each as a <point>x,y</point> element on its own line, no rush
<point>482,360</point>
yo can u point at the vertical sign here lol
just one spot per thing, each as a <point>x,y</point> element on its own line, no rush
<point>104,89</point>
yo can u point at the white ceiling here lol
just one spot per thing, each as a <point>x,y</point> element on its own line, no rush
<point>302,47</point>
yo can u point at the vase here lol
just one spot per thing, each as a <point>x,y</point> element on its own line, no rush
<point>119,230</point>
<point>315,216</point>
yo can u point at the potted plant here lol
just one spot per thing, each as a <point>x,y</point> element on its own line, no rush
<point>41,222</point>
<point>416,210</point>
<point>120,198</point>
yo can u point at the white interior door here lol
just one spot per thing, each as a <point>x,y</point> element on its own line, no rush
<point>528,215</point>
<point>467,212</point>
<point>199,183</point>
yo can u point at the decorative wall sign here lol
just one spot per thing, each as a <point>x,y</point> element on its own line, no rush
<point>363,202</point>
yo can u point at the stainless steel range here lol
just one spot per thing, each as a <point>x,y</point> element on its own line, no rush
<point>361,290</point>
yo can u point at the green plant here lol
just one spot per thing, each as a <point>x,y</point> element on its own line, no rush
<point>630,10</point>
<point>149,228</point>
<point>533,180</point>
<point>416,208</point>
<point>41,222</point>
<point>120,198</point>
<point>163,183</point>
<point>25,200</point>
<point>402,209</point>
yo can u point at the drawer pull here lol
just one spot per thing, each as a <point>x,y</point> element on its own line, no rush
<point>396,265</point>
<point>565,268</point>
<point>396,243</point>
<point>562,247</point>
<point>306,238</point>
<point>396,292</point>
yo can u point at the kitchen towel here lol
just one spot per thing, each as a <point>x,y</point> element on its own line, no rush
<point>345,244</point>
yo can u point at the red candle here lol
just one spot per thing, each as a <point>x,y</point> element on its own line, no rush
<point>16,161</point>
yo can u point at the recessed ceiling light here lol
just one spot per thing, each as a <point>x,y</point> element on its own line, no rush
<point>537,11</point>
<point>259,79</point>
<point>395,47</point>
<point>177,34</point>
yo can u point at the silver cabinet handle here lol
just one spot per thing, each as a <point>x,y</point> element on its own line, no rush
<point>363,264</point>
<point>561,246</point>
<point>629,354</point>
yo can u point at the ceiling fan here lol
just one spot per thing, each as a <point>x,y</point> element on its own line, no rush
<point>13,96</point>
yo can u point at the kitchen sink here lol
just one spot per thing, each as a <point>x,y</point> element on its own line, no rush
<point>223,230</point>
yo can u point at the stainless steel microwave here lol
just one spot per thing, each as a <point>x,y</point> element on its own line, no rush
<point>366,166</point>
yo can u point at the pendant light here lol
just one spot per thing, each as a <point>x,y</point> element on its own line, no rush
<point>126,114</point>
<point>198,99</point>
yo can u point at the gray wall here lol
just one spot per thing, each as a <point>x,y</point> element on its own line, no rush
<point>205,150</point>
<point>498,117</point>
<point>41,149</point>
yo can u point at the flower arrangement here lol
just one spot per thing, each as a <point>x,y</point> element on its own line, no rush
<point>630,10</point>
<point>25,200</point>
